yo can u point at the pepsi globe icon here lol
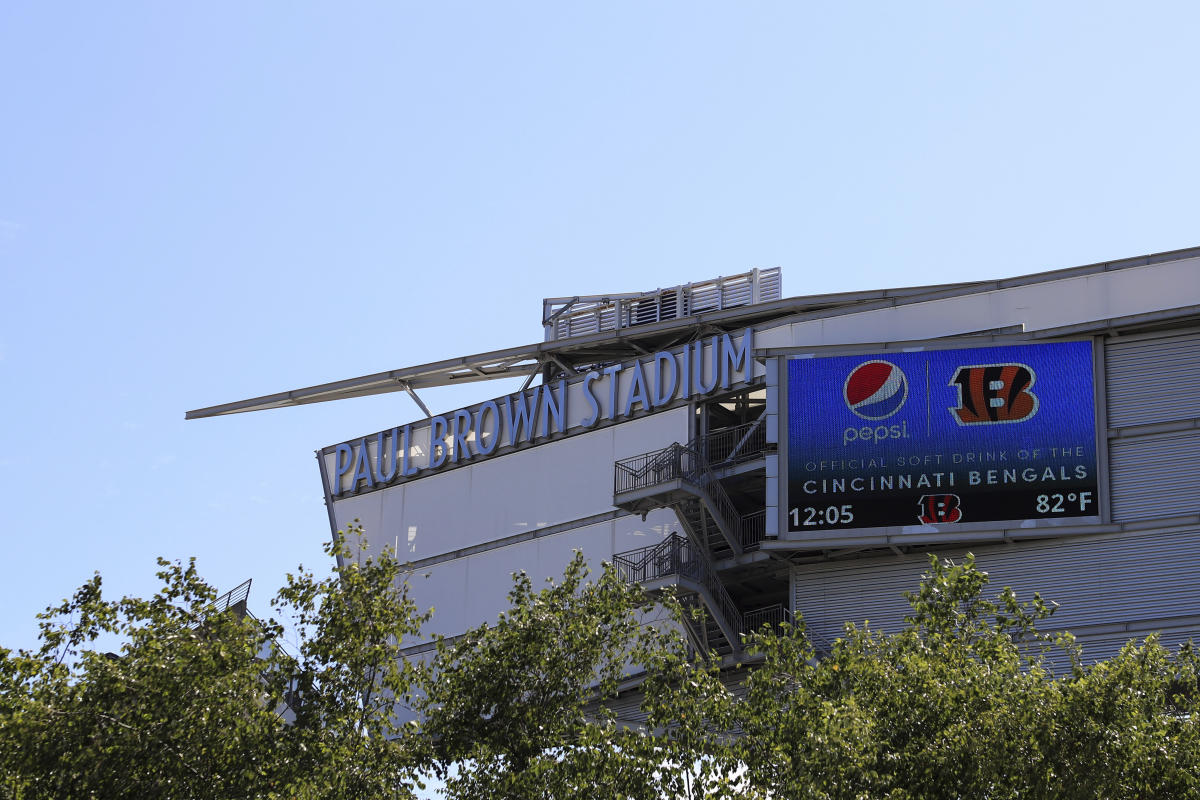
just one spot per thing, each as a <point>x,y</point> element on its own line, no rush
<point>876,389</point>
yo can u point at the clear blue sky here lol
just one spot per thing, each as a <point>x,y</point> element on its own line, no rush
<point>202,203</point>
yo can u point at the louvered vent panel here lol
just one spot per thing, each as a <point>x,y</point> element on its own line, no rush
<point>770,285</point>
<point>706,298</point>
<point>1155,476</point>
<point>737,293</point>
<point>1153,380</point>
<point>595,313</point>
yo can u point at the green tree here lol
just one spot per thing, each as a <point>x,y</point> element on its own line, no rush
<point>515,708</point>
<point>180,712</point>
<point>963,702</point>
<point>970,698</point>
<point>349,681</point>
<point>195,704</point>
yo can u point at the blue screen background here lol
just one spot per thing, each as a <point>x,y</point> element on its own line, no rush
<point>1060,435</point>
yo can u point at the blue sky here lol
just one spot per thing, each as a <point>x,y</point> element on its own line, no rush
<point>204,203</point>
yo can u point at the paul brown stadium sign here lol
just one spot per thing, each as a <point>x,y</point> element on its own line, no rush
<point>941,437</point>
<point>619,391</point>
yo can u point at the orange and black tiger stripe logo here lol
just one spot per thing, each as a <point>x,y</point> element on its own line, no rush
<point>939,508</point>
<point>994,393</point>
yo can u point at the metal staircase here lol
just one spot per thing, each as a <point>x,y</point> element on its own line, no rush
<point>685,478</point>
<point>676,561</point>
<point>720,627</point>
<point>682,477</point>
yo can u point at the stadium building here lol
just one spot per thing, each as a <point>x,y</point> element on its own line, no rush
<point>773,456</point>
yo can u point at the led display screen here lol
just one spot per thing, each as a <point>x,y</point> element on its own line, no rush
<point>941,437</point>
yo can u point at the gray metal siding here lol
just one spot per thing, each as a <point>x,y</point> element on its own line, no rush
<point>1134,582</point>
<point>1155,476</point>
<point>1152,380</point>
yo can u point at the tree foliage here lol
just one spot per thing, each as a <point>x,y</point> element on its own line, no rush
<point>178,712</point>
<point>348,682</point>
<point>971,698</point>
<point>963,701</point>
<point>517,707</point>
<point>583,686</point>
<point>206,704</point>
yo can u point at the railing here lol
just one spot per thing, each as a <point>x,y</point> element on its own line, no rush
<point>819,643</point>
<point>734,445</point>
<point>672,556</point>
<point>725,447</point>
<point>777,614</point>
<point>773,615</point>
<point>681,462</point>
<point>650,469</point>
<point>726,512</point>
<point>677,555</point>
<point>237,596</point>
<point>752,528</point>
<point>564,317</point>
<point>234,599</point>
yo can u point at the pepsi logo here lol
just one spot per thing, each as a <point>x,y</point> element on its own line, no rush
<point>876,390</point>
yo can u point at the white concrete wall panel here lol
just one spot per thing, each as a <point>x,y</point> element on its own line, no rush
<point>443,588</point>
<point>513,494</point>
<point>435,518</point>
<point>555,552</point>
<point>544,485</point>
<point>469,591</point>
<point>632,532</point>
<point>368,510</point>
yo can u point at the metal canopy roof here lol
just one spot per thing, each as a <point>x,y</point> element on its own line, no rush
<point>561,356</point>
<point>571,355</point>
<point>566,356</point>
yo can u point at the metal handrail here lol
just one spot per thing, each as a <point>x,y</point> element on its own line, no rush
<point>752,528</point>
<point>772,615</point>
<point>647,469</point>
<point>702,477</point>
<point>676,555</point>
<point>565,317</point>
<point>235,596</point>
<point>687,463</point>
<point>645,563</point>
<point>235,599</point>
<point>734,445</point>
<point>819,643</point>
<point>725,447</point>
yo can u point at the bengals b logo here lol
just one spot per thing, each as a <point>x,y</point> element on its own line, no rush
<point>994,393</point>
<point>937,508</point>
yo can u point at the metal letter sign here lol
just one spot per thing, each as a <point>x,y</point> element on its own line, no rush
<point>621,391</point>
<point>940,437</point>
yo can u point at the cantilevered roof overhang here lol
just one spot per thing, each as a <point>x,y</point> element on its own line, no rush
<point>566,355</point>
<point>581,352</point>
